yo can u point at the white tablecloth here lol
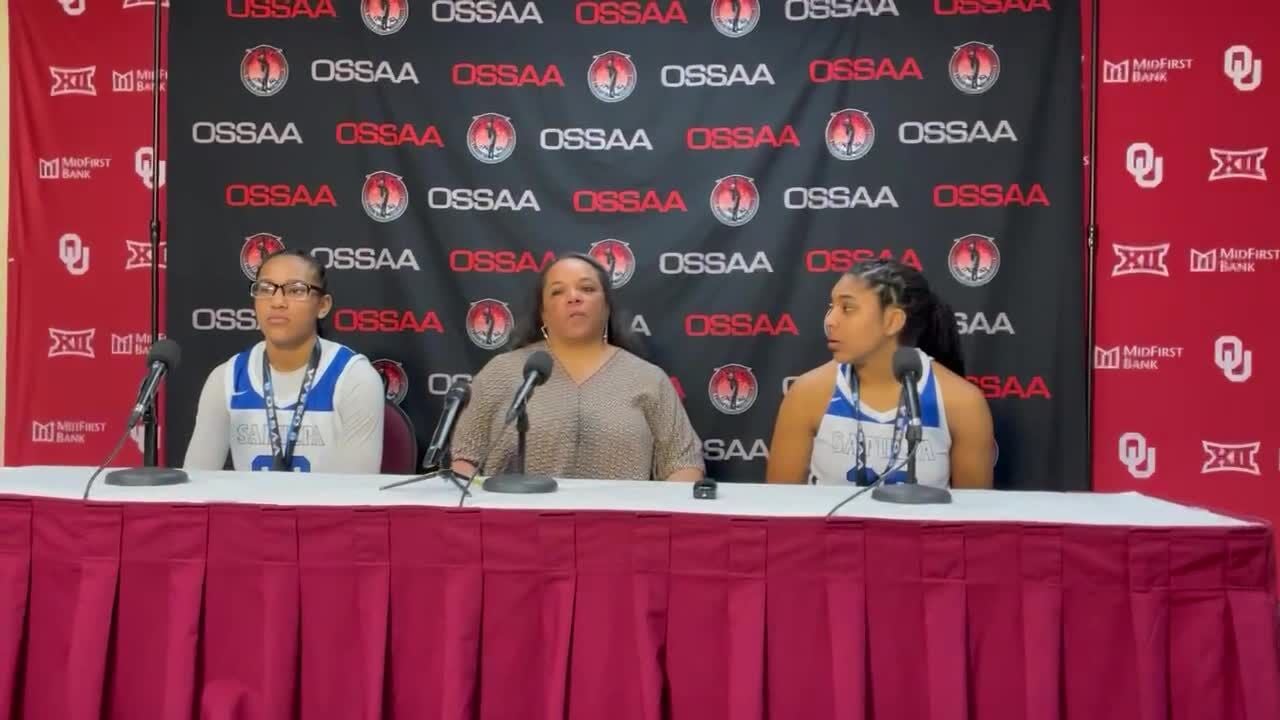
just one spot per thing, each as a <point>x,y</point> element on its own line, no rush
<point>733,498</point>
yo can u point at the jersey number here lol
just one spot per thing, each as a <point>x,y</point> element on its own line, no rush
<point>266,462</point>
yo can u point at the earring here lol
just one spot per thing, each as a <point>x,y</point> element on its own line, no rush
<point>544,333</point>
<point>606,333</point>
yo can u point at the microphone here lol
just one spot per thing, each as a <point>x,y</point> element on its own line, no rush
<point>907,369</point>
<point>459,395</point>
<point>163,357</point>
<point>536,371</point>
<point>454,400</point>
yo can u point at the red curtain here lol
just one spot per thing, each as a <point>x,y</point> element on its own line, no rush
<point>160,611</point>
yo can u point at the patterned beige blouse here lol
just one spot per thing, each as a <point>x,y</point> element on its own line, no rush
<point>625,422</point>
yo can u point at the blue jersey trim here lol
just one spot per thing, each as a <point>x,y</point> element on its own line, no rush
<point>320,399</point>
<point>930,410</point>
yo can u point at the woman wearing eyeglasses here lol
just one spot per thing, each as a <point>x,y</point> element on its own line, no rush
<point>294,401</point>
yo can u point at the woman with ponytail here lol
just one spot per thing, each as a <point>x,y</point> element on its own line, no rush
<point>844,422</point>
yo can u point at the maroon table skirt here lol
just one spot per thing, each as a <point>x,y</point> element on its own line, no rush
<point>153,611</point>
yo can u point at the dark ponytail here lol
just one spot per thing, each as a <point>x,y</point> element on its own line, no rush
<point>931,324</point>
<point>940,338</point>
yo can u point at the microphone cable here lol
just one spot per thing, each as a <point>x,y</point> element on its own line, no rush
<point>879,480</point>
<point>119,445</point>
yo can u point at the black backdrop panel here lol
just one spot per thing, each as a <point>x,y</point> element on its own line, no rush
<point>436,162</point>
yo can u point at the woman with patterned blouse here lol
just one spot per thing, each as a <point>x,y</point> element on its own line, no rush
<point>603,413</point>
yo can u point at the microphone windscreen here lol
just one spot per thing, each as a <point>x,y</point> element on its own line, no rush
<point>539,363</point>
<point>165,351</point>
<point>906,360</point>
<point>461,391</point>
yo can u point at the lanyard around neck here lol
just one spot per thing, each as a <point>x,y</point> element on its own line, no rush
<point>283,452</point>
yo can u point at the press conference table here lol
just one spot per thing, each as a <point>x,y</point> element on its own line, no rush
<point>283,595</point>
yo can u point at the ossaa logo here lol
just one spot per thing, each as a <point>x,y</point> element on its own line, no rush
<point>974,68</point>
<point>850,134</point>
<point>974,260</point>
<point>256,248</point>
<point>733,389</point>
<point>735,18</point>
<point>611,76</point>
<point>491,138</point>
<point>384,196</point>
<point>395,381</point>
<point>264,71</point>
<point>617,259</point>
<point>489,323</point>
<point>384,17</point>
<point>735,200</point>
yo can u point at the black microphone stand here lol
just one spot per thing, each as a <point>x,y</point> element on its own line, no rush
<point>440,472</point>
<point>518,481</point>
<point>912,492</point>
<point>522,434</point>
<point>150,474</point>
<point>149,425</point>
<point>914,433</point>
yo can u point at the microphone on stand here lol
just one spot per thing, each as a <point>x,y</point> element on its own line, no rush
<point>455,399</point>
<point>536,371</point>
<point>908,370</point>
<point>163,357</point>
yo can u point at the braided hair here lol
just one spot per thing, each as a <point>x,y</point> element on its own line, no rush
<point>931,324</point>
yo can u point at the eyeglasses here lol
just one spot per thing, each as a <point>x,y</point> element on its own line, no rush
<point>264,289</point>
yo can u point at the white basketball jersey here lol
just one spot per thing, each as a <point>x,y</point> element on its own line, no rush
<point>836,443</point>
<point>250,440</point>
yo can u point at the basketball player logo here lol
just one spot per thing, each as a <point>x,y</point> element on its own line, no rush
<point>733,389</point>
<point>263,70</point>
<point>384,17</point>
<point>491,138</point>
<point>850,134</point>
<point>395,381</point>
<point>974,68</point>
<point>385,196</point>
<point>735,18</point>
<point>735,200</point>
<point>258,247</point>
<point>617,259</point>
<point>489,323</point>
<point>611,76</point>
<point>974,260</point>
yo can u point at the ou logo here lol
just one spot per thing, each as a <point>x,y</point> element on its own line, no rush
<point>1137,456</point>
<point>1232,359</point>
<point>1146,167</point>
